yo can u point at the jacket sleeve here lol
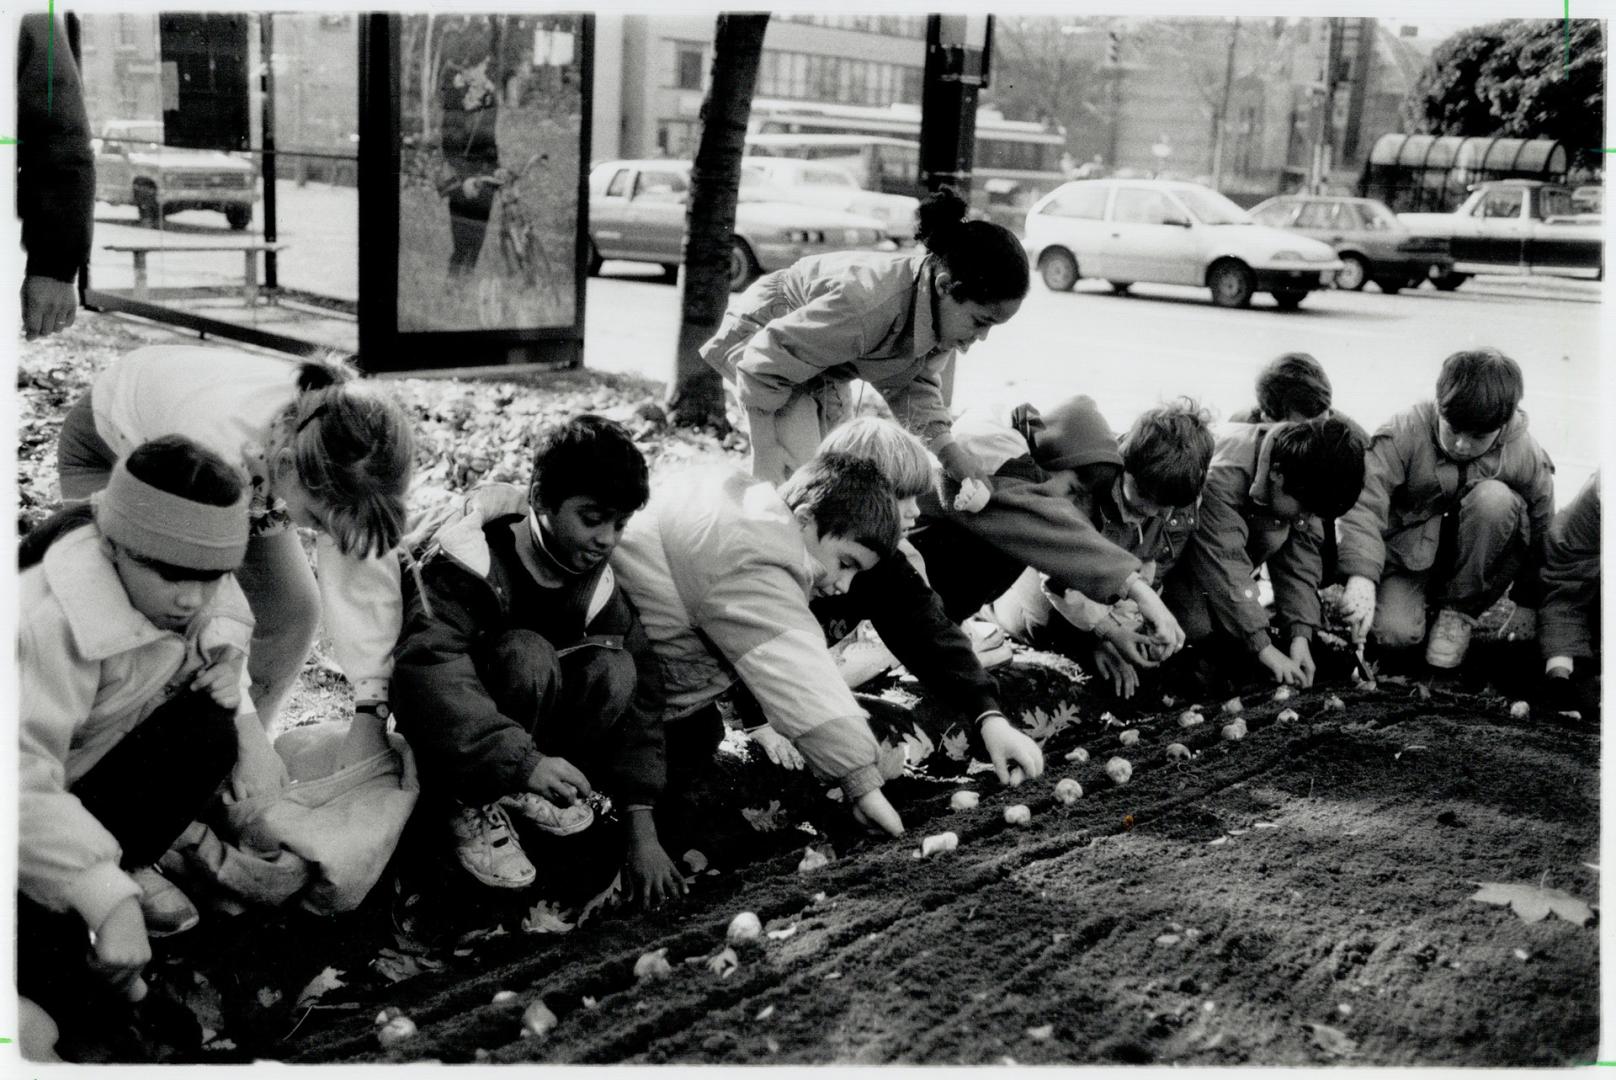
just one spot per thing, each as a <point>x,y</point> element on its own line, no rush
<point>797,347</point>
<point>362,606</point>
<point>441,705</point>
<point>638,767</point>
<point>1570,610</point>
<point>1297,570</point>
<point>919,406</point>
<point>1040,526</point>
<point>55,167</point>
<point>759,619</point>
<point>67,860</point>
<point>1528,586</point>
<point>1218,565</point>
<point>910,618</point>
<point>1361,531</point>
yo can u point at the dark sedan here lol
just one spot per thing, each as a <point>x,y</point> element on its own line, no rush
<point>1371,243</point>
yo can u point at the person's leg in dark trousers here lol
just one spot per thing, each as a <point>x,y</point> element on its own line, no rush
<point>145,791</point>
<point>570,700</point>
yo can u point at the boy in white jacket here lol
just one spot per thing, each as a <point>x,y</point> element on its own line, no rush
<point>132,653</point>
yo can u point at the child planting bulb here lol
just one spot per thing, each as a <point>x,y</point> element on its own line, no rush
<point>131,658</point>
<point>523,678</point>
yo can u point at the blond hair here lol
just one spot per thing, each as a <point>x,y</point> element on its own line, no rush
<point>902,458</point>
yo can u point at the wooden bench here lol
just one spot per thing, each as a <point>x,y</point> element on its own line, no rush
<point>249,289</point>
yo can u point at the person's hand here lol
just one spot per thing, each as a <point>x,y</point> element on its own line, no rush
<point>367,737</point>
<point>220,679</point>
<point>1284,670</point>
<point>1006,746</point>
<point>1302,657</point>
<point>873,809</point>
<point>120,950</point>
<point>259,770</point>
<point>1169,635</point>
<point>48,305</point>
<point>1129,642</point>
<point>776,747</point>
<point>961,464</point>
<point>649,876</point>
<point>558,780</point>
<point>973,495</point>
<point>1358,606</point>
<point>1123,675</point>
<point>1520,626</point>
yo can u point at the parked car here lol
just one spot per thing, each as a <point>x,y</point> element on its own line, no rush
<point>1367,237</point>
<point>1172,233</point>
<point>637,212</point>
<point>1588,199</point>
<point>824,183</point>
<point>133,167</point>
<point>1516,227</point>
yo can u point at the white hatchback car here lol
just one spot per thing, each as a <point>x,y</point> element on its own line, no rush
<point>1171,233</point>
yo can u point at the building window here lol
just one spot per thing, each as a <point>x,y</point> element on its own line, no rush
<point>676,138</point>
<point>910,90</point>
<point>689,68</point>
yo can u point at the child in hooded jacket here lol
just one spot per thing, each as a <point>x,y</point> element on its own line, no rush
<point>131,660</point>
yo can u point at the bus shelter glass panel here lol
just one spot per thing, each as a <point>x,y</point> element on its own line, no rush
<point>225,149</point>
<point>490,116</point>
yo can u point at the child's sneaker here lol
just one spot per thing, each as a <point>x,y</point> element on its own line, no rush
<point>486,846</point>
<point>543,814</point>
<point>165,908</point>
<point>1449,639</point>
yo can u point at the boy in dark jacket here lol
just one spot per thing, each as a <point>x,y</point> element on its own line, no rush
<point>1456,505</point>
<point>1568,622</point>
<point>522,672</point>
<point>1080,523</point>
<point>1266,489</point>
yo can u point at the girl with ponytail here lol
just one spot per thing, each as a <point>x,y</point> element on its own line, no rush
<point>321,451</point>
<point>793,341</point>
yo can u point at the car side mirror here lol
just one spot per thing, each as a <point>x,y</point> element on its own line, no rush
<point>1182,222</point>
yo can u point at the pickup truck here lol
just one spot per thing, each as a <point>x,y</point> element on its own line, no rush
<point>1515,227</point>
<point>133,166</point>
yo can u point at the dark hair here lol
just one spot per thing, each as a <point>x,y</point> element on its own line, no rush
<point>849,497</point>
<point>986,261</point>
<point>1167,452</point>
<point>589,455</point>
<point>1294,383</point>
<point>1322,461</point>
<point>171,463</point>
<point>1478,390</point>
<point>353,450</point>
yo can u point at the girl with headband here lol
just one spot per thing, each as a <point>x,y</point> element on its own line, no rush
<point>131,652</point>
<point>321,451</point>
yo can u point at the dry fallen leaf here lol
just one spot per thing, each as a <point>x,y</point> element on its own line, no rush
<point>768,819</point>
<point>317,987</point>
<point>545,918</point>
<point>1533,904</point>
<point>1332,1041</point>
<point>765,1012</point>
<point>1041,1033</point>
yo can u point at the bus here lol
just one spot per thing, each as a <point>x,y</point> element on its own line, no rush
<point>1017,161</point>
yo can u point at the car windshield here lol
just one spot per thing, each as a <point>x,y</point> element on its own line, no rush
<point>756,187</point>
<point>1210,208</point>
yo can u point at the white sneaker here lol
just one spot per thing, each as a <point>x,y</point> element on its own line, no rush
<point>992,647</point>
<point>486,845</point>
<point>1449,639</point>
<point>543,814</point>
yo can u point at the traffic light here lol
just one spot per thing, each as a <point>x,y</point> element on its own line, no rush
<point>1113,47</point>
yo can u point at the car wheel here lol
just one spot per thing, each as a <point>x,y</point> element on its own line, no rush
<point>1449,281</point>
<point>593,267</point>
<point>1390,287</point>
<point>1059,270</point>
<point>1289,299</point>
<point>239,217</point>
<point>151,215</point>
<point>743,268</point>
<point>1232,284</point>
<point>1121,287</point>
<point>1353,274</point>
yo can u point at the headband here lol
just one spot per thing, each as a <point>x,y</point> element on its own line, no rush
<point>164,527</point>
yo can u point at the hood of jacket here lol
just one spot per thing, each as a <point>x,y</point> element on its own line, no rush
<point>1071,435</point>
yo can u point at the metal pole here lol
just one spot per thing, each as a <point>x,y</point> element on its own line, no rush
<point>266,83</point>
<point>948,112</point>
<point>1223,110</point>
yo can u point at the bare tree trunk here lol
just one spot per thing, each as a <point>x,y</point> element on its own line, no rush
<point>696,392</point>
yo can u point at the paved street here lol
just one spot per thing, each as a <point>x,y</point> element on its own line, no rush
<point>1382,352</point>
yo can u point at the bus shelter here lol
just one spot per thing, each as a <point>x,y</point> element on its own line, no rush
<point>1434,173</point>
<point>405,187</point>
